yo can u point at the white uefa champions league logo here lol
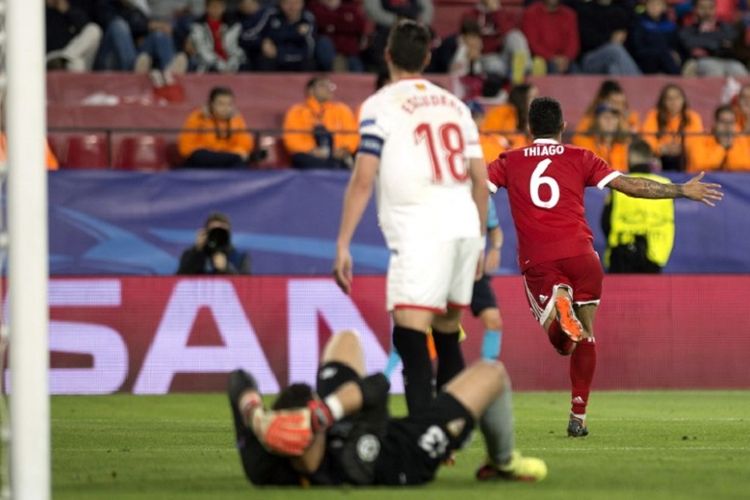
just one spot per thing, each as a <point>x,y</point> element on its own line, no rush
<point>368,448</point>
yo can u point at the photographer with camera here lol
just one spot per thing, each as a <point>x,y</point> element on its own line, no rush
<point>213,252</point>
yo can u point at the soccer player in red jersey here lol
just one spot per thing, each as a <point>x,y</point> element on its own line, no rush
<point>561,270</point>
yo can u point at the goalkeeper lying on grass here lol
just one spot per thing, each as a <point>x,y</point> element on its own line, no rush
<point>342,433</point>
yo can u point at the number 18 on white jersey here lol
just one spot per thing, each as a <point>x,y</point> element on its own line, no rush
<point>424,137</point>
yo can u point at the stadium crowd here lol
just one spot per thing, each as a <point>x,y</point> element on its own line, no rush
<point>617,37</point>
<point>490,58</point>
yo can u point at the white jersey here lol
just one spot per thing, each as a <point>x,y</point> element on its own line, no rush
<point>424,137</point>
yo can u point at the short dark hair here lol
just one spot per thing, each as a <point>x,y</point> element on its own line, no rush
<point>294,396</point>
<point>217,217</point>
<point>470,27</point>
<point>408,45</point>
<point>219,91</point>
<point>314,81</point>
<point>545,117</point>
<point>640,156</point>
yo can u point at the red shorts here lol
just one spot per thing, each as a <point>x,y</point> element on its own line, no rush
<point>582,274</point>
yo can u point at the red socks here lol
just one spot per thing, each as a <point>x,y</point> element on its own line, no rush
<point>582,367</point>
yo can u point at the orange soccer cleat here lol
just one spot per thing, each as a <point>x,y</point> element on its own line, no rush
<point>569,323</point>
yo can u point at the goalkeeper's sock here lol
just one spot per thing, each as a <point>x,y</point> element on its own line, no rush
<point>418,386</point>
<point>582,368</point>
<point>491,344</point>
<point>449,355</point>
<point>497,426</point>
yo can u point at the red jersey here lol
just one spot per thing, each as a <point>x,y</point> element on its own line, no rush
<point>545,183</point>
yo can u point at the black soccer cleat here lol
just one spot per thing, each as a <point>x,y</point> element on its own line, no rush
<point>239,382</point>
<point>577,427</point>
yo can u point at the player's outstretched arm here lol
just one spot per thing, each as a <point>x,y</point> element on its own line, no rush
<point>694,189</point>
<point>357,196</point>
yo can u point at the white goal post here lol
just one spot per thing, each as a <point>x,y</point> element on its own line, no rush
<point>25,108</point>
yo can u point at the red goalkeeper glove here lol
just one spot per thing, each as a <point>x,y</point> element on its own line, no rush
<point>286,432</point>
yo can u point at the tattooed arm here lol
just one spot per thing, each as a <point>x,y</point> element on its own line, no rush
<point>639,187</point>
<point>693,189</point>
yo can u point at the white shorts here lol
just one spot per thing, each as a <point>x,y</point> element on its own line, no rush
<point>432,275</point>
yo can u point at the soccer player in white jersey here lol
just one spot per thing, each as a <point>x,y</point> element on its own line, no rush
<point>421,146</point>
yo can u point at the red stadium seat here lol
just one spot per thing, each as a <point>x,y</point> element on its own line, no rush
<point>277,156</point>
<point>86,151</point>
<point>143,152</point>
<point>174,158</point>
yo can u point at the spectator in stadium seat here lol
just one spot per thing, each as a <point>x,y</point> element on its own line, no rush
<point>213,44</point>
<point>72,38</point>
<point>213,252</point>
<point>552,32</point>
<point>709,42</point>
<point>133,42</point>
<point>724,149</point>
<point>462,57</point>
<point>654,40</point>
<point>606,137</point>
<point>344,23</point>
<point>603,28</point>
<point>216,136</point>
<point>505,50</point>
<point>288,40</point>
<point>613,95</point>
<point>511,119</point>
<point>252,18</point>
<point>639,232</point>
<point>385,13</point>
<point>320,132</point>
<point>665,127</point>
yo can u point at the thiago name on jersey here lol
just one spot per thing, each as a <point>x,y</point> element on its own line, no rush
<point>544,150</point>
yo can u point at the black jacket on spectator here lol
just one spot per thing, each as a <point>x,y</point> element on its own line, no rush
<point>651,42</point>
<point>597,22</point>
<point>198,261</point>
<point>251,36</point>
<point>295,42</point>
<point>718,43</point>
<point>107,10</point>
<point>61,27</point>
<point>409,9</point>
<point>442,56</point>
<point>90,7</point>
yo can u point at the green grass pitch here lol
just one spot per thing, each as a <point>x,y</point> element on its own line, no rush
<point>642,445</point>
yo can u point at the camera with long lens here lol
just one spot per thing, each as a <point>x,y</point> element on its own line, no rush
<point>217,240</point>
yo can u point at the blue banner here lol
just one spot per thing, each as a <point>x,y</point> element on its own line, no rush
<point>109,222</point>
